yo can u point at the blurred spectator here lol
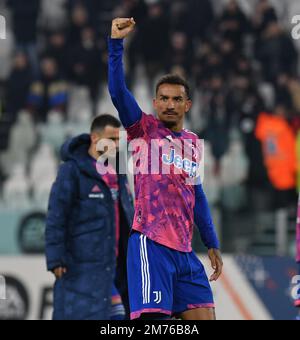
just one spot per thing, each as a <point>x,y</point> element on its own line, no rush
<point>264,14</point>
<point>279,150</point>
<point>190,16</point>
<point>25,16</point>
<point>18,84</point>
<point>53,14</point>
<point>228,54</point>
<point>178,14</point>
<point>242,100</point>
<point>99,13</point>
<point>233,24</point>
<point>243,67</point>
<point>136,9</point>
<point>155,26</point>
<point>217,130</point>
<point>200,18</point>
<point>49,92</point>
<point>276,52</point>
<point>85,62</point>
<point>57,49</point>
<point>207,63</point>
<point>79,19</point>
<point>180,54</point>
<point>282,90</point>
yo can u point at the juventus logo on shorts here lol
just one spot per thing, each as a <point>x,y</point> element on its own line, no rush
<point>157,297</point>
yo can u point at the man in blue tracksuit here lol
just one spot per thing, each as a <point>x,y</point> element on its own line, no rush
<point>88,223</point>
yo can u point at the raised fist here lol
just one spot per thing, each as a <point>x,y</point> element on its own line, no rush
<point>122,27</point>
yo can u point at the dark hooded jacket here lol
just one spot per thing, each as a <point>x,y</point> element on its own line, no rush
<point>80,235</point>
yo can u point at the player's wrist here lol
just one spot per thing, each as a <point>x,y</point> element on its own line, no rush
<point>114,36</point>
<point>214,246</point>
<point>111,39</point>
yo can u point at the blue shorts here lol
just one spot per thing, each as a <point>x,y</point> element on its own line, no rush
<point>163,280</point>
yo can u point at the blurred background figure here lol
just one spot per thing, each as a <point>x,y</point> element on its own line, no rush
<point>48,92</point>
<point>87,229</point>
<point>18,84</point>
<point>279,151</point>
<point>25,28</point>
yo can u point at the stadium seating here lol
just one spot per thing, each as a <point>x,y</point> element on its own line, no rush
<point>223,104</point>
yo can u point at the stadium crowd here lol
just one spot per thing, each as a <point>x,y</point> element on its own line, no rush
<point>241,61</point>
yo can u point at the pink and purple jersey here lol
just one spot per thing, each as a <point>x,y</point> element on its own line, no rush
<point>165,201</point>
<point>168,203</point>
<point>298,232</point>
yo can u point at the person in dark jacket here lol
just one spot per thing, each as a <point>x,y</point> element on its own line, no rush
<point>48,92</point>
<point>88,225</point>
<point>25,28</point>
<point>18,85</point>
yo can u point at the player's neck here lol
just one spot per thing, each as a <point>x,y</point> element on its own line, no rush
<point>174,128</point>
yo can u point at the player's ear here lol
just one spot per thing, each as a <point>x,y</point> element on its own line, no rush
<point>188,106</point>
<point>94,138</point>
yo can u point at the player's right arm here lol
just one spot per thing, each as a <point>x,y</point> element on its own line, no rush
<point>129,111</point>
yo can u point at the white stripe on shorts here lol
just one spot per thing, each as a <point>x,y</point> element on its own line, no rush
<point>145,269</point>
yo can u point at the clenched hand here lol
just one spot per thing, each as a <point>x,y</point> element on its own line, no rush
<point>122,27</point>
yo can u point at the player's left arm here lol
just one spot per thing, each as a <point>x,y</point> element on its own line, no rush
<point>207,230</point>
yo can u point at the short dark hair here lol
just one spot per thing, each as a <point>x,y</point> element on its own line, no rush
<point>101,122</point>
<point>174,79</point>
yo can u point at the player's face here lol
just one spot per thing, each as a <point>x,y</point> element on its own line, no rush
<point>171,105</point>
<point>109,133</point>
